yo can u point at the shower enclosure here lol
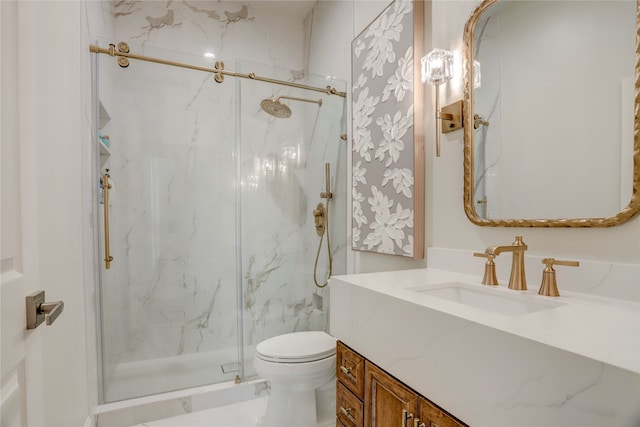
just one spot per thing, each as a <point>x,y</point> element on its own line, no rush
<point>209,218</point>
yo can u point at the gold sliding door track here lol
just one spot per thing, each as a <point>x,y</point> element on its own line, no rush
<point>122,54</point>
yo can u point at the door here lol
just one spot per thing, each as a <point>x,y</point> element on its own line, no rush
<point>21,349</point>
<point>43,371</point>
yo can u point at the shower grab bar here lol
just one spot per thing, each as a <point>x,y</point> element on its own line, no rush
<point>106,186</point>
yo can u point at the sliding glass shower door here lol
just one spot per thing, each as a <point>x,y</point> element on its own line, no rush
<point>169,299</point>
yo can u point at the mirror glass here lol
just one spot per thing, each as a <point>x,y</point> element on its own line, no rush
<point>553,96</point>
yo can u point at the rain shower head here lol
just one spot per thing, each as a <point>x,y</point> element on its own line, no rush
<point>277,109</point>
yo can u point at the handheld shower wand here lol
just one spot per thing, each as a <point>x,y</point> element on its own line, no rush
<point>321,216</point>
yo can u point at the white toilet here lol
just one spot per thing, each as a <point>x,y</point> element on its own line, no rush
<point>301,368</point>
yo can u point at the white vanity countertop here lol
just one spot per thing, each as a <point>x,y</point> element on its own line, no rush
<point>603,329</point>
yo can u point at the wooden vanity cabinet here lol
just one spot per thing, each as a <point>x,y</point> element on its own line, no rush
<point>367,396</point>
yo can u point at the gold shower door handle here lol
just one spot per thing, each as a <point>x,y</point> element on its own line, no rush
<point>107,252</point>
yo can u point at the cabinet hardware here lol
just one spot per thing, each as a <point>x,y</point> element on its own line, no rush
<point>347,413</point>
<point>417,423</point>
<point>406,416</point>
<point>347,372</point>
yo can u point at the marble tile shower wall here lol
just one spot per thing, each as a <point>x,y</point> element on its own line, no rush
<point>282,174</point>
<point>173,168</point>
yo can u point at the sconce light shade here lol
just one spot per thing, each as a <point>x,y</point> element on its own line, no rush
<point>437,66</point>
<point>477,78</point>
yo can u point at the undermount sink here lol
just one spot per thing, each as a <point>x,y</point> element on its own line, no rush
<point>493,300</point>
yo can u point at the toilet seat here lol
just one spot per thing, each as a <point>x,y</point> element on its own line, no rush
<point>297,347</point>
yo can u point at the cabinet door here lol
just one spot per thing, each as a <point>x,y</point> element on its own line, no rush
<point>388,402</point>
<point>432,416</point>
<point>348,407</point>
<point>350,369</point>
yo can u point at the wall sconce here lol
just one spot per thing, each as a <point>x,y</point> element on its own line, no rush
<point>437,68</point>
<point>477,119</point>
<point>477,78</point>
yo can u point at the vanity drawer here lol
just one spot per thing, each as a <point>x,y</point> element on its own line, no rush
<point>349,409</point>
<point>432,416</point>
<point>350,369</point>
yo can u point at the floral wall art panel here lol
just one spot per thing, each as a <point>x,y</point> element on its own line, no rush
<point>388,136</point>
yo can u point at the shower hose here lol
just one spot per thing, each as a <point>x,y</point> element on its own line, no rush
<point>315,266</point>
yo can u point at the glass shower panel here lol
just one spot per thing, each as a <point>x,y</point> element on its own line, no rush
<point>282,173</point>
<point>169,301</point>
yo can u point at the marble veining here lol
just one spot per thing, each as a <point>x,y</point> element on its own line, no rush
<point>209,13</point>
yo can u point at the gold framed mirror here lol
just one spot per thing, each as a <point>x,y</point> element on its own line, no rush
<point>552,127</point>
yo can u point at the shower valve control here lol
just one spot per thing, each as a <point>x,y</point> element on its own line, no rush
<point>319,214</point>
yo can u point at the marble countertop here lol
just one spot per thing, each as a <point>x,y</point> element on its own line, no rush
<point>603,329</point>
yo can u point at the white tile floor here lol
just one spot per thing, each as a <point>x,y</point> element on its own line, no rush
<point>242,414</point>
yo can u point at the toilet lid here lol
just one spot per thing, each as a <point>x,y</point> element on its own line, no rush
<point>297,347</point>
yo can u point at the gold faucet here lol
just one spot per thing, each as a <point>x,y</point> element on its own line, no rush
<point>517,281</point>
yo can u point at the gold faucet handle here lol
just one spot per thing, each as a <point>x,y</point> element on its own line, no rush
<point>484,255</point>
<point>550,262</point>
<point>489,277</point>
<point>549,286</point>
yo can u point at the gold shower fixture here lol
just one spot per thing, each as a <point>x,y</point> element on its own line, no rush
<point>277,109</point>
<point>321,220</point>
<point>122,53</point>
<point>319,216</point>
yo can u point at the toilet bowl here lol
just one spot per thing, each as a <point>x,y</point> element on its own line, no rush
<point>301,368</point>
